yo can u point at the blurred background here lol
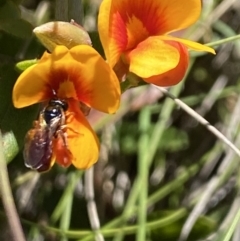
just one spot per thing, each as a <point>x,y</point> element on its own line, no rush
<point>193,182</point>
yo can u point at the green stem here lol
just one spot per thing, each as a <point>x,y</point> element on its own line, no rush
<point>155,197</point>
<point>7,199</point>
<point>143,169</point>
<point>129,209</point>
<point>65,10</point>
<point>66,215</point>
<point>61,10</point>
<point>75,11</point>
<point>108,229</point>
<point>131,229</point>
<point>223,41</point>
<point>232,228</point>
<point>61,206</point>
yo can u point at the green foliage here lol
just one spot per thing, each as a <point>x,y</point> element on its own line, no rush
<point>203,227</point>
<point>149,139</point>
<point>173,139</point>
<point>10,117</point>
<point>11,21</point>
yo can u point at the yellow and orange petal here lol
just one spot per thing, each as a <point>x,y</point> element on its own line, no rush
<point>81,139</point>
<point>123,24</point>
<point>31,87</point>
<point>189,44</point>
<point>101,88</point>
<point>162,60</point>
<point>79,73</point>
<point>152,57</point>
<point>175,75</point>
<point>61,153</point>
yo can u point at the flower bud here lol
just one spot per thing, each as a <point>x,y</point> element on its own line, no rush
<point>61,33</point>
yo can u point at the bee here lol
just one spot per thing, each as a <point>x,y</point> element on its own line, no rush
<point>49,129</point>
<point>37,151</point>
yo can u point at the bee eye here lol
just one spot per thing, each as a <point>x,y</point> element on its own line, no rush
<point>51,112</point>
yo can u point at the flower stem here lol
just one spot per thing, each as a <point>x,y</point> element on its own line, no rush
<point>143,169</point>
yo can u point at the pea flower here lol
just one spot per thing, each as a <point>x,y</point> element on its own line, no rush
<point>76,75</point>
<point>135,33</point>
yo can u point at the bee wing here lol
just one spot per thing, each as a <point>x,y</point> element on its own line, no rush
<point>38,148</point>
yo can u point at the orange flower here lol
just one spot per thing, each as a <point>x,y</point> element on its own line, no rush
<point>135,32</point>
<point>76,75</point>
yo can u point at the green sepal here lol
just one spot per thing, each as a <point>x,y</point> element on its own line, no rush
<point>23,65</point>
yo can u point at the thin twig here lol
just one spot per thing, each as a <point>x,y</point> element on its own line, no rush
<point>91,205</point>
<point>229,130</point>
<point>7,199</point>
<point>201,120</point>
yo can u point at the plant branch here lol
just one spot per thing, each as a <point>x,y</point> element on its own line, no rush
<point>200,119</point>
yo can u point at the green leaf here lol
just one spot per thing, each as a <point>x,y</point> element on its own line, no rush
<point>17,27</point>
<point>11,22</point>
<point>96,42</point>
<point>9,10</point>
<point>10,146</point>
